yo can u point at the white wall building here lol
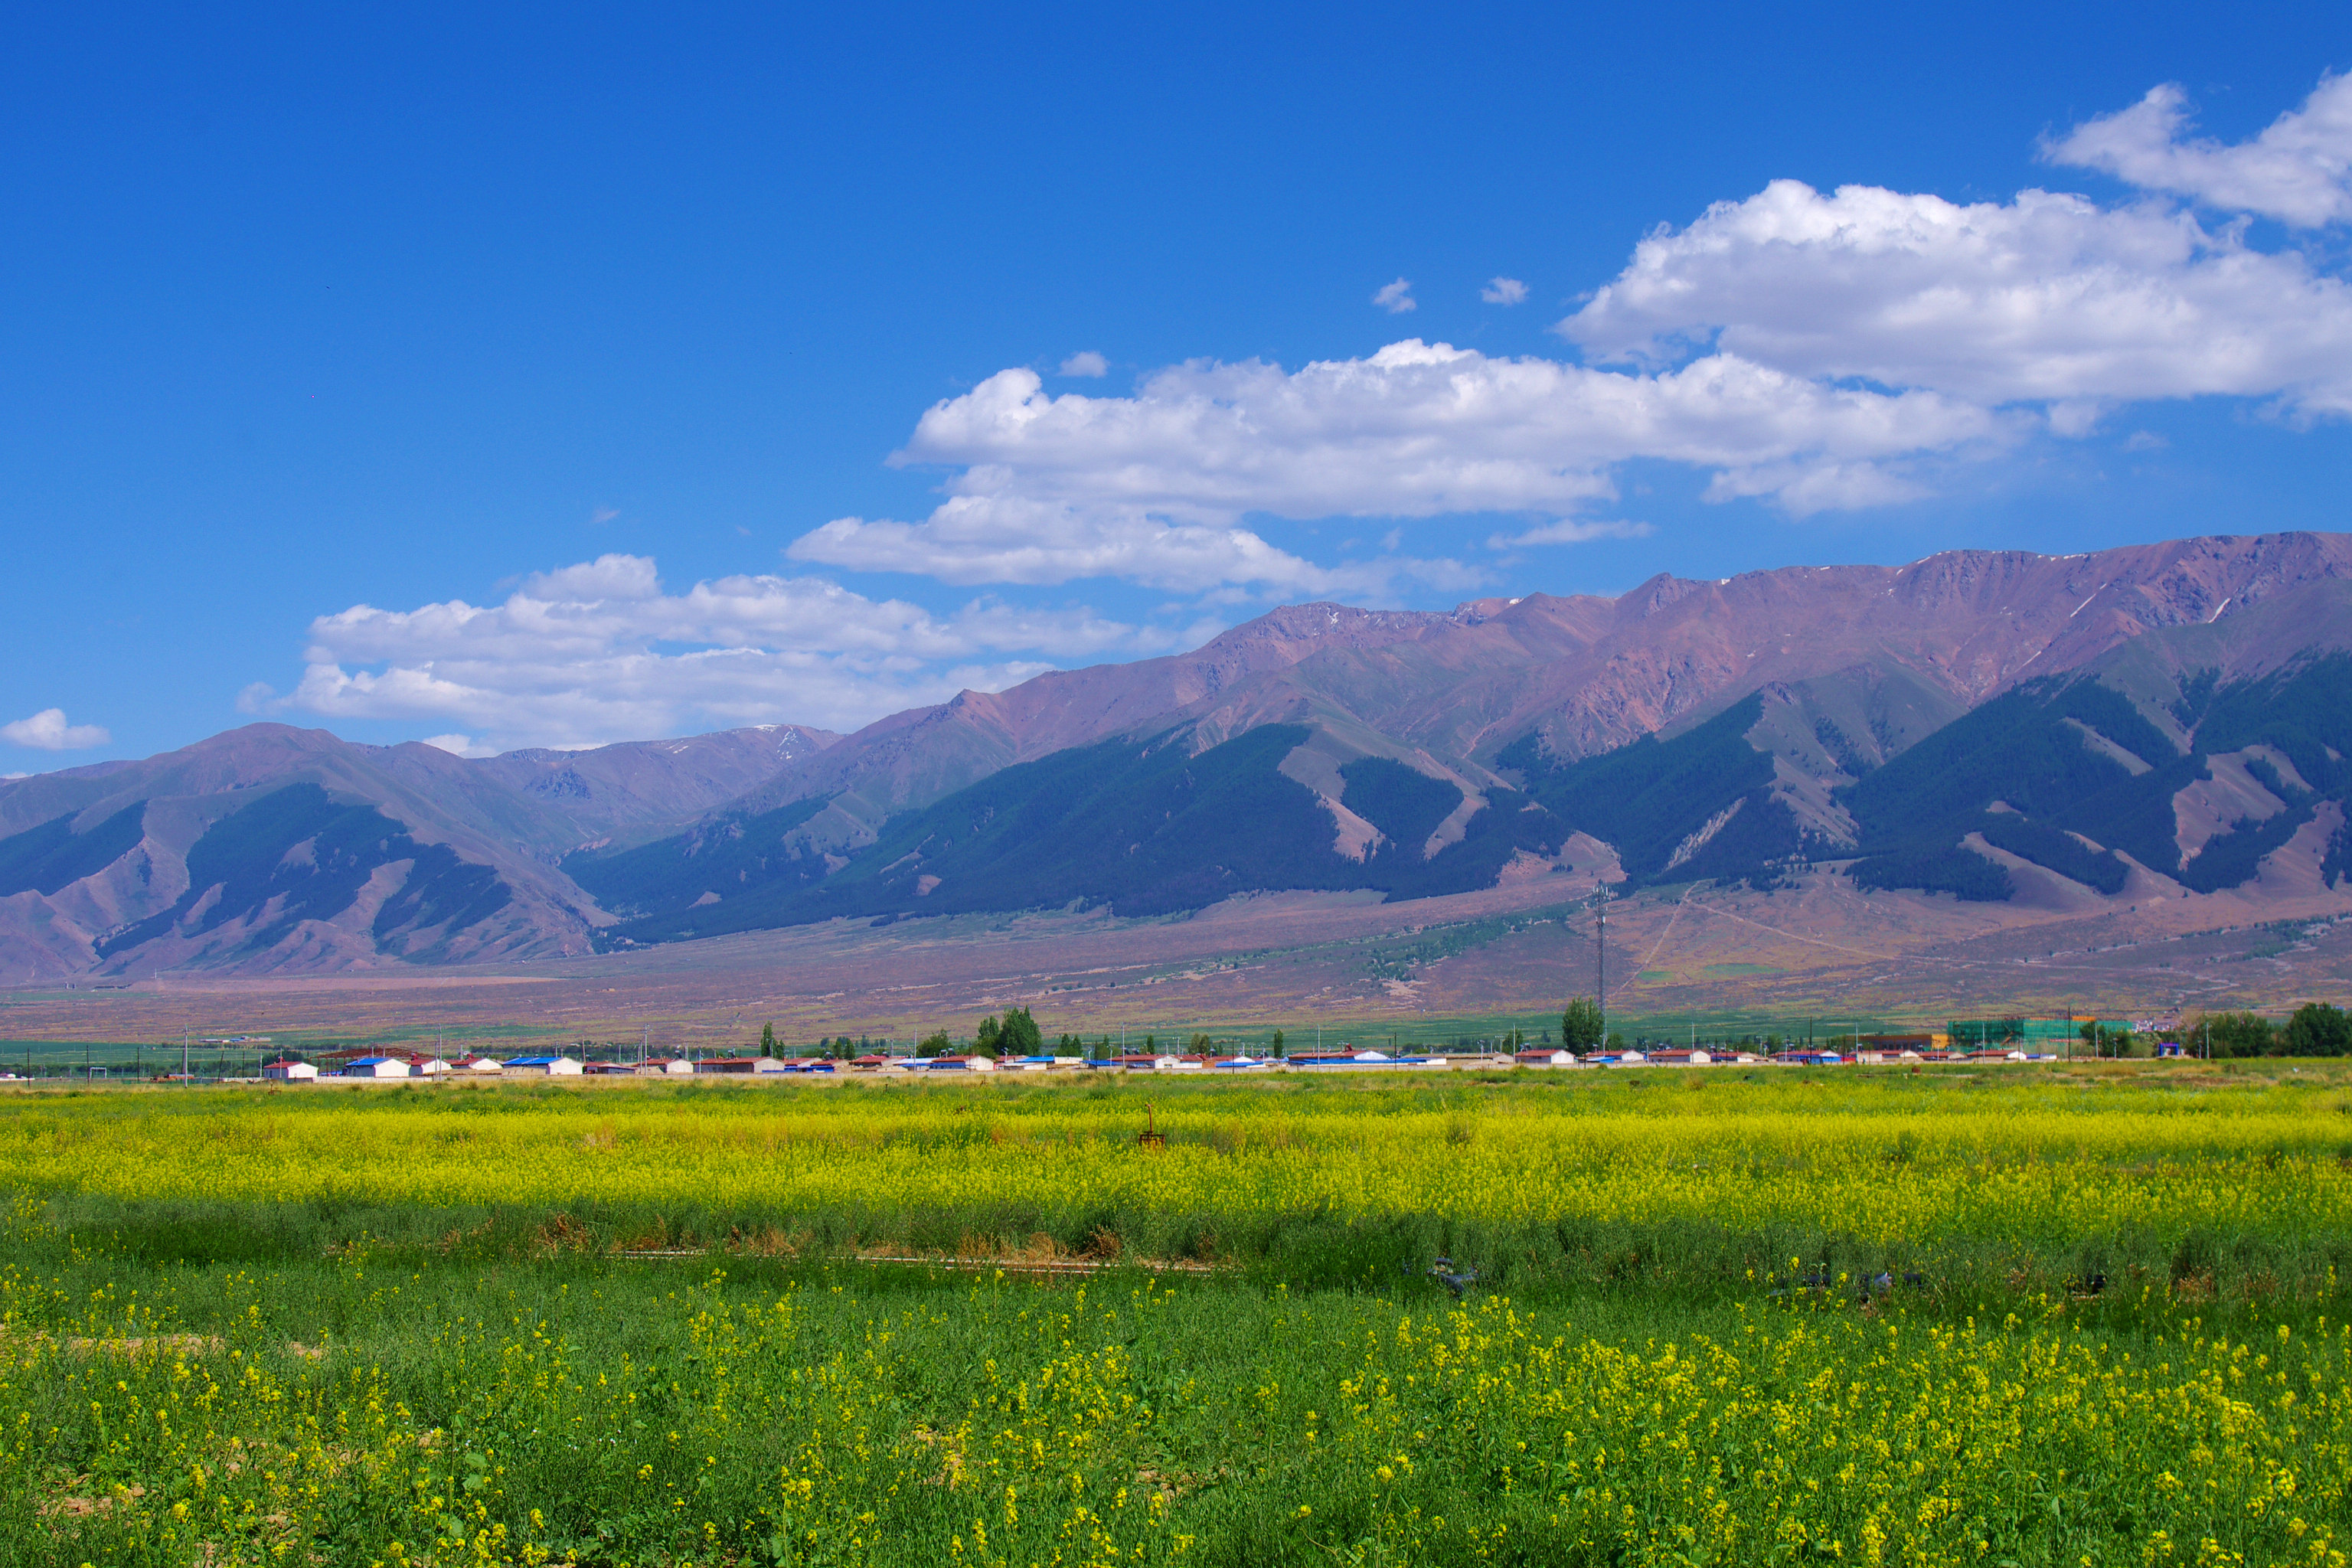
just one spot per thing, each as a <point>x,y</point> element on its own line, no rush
<point>376,1067</point>
<point>546,1067</point>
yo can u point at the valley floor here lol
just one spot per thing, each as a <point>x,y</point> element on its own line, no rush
<point>1436,968</point>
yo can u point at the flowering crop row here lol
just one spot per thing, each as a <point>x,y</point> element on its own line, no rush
<point>1688,1181</point>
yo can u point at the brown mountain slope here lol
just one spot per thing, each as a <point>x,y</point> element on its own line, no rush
<point>1949,631</point>
<point>408,854</point>
<point>637,786</point>
<point>1885,654</point>
<point>178,797</point>
<point>917,756</point>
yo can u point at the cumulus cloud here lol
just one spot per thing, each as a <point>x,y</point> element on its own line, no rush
<point>601,651</point>
<point>2044,299</point>
<point>49,732</point>
<point>1396,297</point>
<point>1820,351</point>
<point>1086,363</point>
<point>2298,171</point>
<point>1154,487</point>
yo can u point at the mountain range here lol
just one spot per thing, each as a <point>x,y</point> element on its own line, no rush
<point>2168,720</point>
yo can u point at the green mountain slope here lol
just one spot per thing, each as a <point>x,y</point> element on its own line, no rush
<point>2060,753</point>
<point>1142,826</point>
<point>1652,799</point>
<point>46,859</point>
<point>297,855</point>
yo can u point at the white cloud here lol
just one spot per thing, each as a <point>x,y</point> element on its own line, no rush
<point>2046,297</point>
<point>460,745</point>
<point>49,732</point>
<point>1396,297</point>
<point>1504,291</point>
<point>600,651</point>
<point>1820,351</point>
<point>1153,487</point>
<point>1086,363</point>
<point>2298,171</point>
<point>1570,532</point>
<point>2145,441</point>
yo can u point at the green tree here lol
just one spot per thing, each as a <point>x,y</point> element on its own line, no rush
<point>2241,1034</point>
<point>1275,1048</point>
<point>1580,1025</point>
<point>2318,1029</point>
<point>1020,1035</point>
<point>767,1039</point>
<point>935,1044</point>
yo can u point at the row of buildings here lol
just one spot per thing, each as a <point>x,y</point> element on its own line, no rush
<point>1869,1050</point>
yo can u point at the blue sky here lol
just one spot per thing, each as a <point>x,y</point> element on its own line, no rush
<point>538,378</point>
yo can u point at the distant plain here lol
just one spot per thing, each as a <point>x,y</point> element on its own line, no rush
<point>1695,958</point>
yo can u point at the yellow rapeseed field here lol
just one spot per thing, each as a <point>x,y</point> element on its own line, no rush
<point>2042,1320</point>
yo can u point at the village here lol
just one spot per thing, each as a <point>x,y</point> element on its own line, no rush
<point>1972,1041</point>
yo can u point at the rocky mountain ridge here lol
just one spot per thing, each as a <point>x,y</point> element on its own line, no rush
<point>1747,729</point>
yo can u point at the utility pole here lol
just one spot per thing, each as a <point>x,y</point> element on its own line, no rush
<point>1601,961</point>
<point>184,1056</point>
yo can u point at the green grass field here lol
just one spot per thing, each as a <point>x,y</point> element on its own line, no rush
<point>977,1323</point>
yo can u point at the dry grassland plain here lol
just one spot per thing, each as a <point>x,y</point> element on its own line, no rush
<point>1436,969</point>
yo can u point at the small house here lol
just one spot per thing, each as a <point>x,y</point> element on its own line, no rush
<point>477,1064</point>
<point>547,1067</point>
<point>376,1067</point>
<point>963,1064</point>
<point>741,1066</point>
<point>664,1067</point>
<point>289,1070</point>
<point>1552,1057</point>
